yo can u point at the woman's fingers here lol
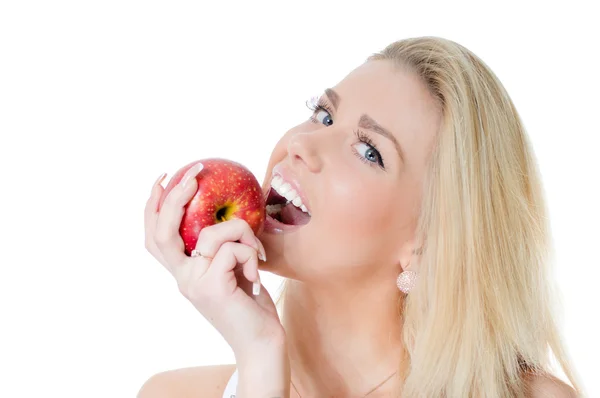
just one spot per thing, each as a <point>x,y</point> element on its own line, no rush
<point>151,209</point>
<point>203,280</point>
<point>211,238</point>
<point>150,218</point>
<point>167,237</point>
<point>230,256</point>
<point>152,202</point>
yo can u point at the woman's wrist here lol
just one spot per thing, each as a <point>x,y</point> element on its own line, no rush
<point>264,372</point>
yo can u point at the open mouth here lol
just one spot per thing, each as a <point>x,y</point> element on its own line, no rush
<point>283,211</point>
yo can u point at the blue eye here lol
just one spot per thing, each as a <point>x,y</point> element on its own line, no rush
<point>319,108</point>
<point>372,157</point>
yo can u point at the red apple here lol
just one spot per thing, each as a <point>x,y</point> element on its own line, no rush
<point>226,190</point>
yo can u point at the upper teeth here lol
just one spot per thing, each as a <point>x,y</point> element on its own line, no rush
<point>286,190</point>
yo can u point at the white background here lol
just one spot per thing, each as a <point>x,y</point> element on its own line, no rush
<point>98,98</point>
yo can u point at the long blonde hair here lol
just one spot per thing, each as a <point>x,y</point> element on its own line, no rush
<point>481,315</point>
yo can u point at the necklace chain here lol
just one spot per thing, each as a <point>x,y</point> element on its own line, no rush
<point>372,390</point>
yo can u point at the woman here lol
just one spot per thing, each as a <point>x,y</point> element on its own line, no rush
<point>422,269</point>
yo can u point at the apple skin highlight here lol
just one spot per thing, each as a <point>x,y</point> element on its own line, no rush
<point>226,190</point>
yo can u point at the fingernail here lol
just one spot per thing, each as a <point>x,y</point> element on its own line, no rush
<point>261,250</point>
<point>159,179</point>
<point>256,287</point>
<point>191,173</point>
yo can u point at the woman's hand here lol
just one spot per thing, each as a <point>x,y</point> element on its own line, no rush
<point>219,282</point>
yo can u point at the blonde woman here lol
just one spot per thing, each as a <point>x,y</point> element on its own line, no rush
<point>418,266</point>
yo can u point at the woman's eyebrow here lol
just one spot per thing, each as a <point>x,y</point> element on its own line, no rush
<point>333,97</point>
<point>367,122</point>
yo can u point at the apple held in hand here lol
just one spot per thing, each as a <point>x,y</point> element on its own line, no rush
<point>226,190</point>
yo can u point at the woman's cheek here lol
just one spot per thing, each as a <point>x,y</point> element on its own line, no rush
<point>359,210</point>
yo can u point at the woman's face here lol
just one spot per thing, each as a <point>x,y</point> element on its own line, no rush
<point>363,197</point>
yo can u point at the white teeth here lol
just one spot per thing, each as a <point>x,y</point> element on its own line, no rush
<point>274,209</point>
<point>285,189</point>
<point>276,182</point>
<point>289,195</point>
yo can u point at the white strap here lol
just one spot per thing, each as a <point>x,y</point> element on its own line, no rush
<point>231,387</point>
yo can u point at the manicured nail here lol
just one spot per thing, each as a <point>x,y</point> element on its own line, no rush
<point>261,250</point>
<point>159,180</point>
<point>256,287</point>
<point>191,173</point>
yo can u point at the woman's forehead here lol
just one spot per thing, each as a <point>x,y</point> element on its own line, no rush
<point>395,98</point>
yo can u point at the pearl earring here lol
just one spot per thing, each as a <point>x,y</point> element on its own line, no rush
<point>406,281</point>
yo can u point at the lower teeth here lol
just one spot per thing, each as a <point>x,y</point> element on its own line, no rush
<point>274,209</point>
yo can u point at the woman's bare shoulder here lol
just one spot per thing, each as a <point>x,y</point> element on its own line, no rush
<point>545,386</point>
<point>200,381</point>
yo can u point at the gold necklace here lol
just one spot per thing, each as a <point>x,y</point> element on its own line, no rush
<point>372,390</point>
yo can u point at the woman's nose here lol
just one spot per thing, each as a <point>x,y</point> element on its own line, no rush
<point>301,149</point>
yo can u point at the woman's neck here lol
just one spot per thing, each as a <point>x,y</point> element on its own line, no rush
<point>343,342</point>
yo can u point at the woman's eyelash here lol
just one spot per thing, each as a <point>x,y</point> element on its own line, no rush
<point>364,138</point>
<point>318,104</point>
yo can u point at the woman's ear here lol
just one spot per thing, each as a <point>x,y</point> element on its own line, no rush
<point>406,254</point>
